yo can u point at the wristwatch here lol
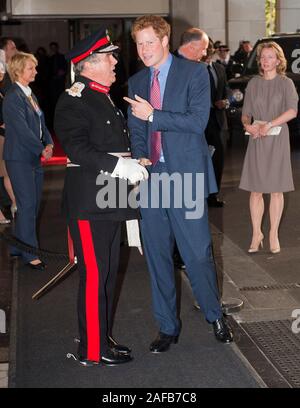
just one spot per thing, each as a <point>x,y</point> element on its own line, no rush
<point>150,117</point>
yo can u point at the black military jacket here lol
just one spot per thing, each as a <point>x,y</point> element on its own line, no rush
<point>89,127</point>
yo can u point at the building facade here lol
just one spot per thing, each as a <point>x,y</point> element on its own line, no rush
<point>227,20</point>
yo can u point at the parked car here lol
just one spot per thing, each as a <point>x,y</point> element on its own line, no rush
<point>290,43</point>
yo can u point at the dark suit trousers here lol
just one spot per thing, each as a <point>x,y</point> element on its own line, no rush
<point>27,183</point>
<point>214,137</point>
<point>160,228</point>
<point>97,247</point>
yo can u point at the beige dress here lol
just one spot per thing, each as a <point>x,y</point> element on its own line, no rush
<point>267,164</point>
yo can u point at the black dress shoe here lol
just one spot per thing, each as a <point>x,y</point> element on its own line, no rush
<point>215,202</point>
<point>111,358</point>
<point>162,343</point>
<point>82,360</point>
<point>118,348</point>
<point>222,331</point>
<point>113,345</point>
<point>38,267</point>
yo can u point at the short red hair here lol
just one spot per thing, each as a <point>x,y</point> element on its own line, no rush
<point>159,25</point>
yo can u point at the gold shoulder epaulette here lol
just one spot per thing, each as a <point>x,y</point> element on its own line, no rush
<point>76,89</point>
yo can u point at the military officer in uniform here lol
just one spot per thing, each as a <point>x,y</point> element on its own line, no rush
<point>94,136</point>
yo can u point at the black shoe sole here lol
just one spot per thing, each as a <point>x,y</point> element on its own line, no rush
<point>90,363</point>
<point>115,363</point>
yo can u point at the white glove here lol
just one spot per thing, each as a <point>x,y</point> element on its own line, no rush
<point>130,169</point>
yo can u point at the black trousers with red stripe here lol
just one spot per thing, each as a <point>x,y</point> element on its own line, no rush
<point>97,247</point>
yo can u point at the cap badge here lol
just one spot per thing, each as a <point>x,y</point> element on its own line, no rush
<point>76,89</point>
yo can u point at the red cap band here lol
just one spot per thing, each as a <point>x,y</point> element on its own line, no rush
<point>97,45</point>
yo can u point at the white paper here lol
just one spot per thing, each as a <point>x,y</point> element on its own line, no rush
<point>133,234</point>
<point>274,131</point>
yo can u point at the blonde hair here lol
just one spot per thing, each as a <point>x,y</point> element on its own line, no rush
<point>159,25</point>
<point>17,64</point>
<point>281,67</point>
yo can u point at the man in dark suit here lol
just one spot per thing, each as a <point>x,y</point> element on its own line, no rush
<point>224,58</point>
<point>193,44</point>
<point>169,107</point>
<point>94,136</point>
<point>193,47</point>
<point>196,46</point>
<point>243,52</point>
<point>216,130</point>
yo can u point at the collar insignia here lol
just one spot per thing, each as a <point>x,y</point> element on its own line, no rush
<point>98,87</point>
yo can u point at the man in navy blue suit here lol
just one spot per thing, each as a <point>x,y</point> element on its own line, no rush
<point>167,136</point>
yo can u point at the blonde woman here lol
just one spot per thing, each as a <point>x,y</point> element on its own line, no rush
<point>26,140</point>
<point>271,98</point>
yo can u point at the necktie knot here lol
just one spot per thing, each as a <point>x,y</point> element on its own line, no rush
<point>156,73</point>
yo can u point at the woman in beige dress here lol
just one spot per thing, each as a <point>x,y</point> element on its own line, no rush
<point>270,97</point>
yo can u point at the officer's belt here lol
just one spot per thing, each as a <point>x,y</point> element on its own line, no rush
<point>117,154</point>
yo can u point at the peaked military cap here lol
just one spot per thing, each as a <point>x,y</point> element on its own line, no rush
<point>224,47</point>
<point>97,42</point>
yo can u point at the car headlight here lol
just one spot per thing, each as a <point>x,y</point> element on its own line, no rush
<point>237,95</point>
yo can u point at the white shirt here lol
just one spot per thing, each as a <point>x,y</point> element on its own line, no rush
<point>26,89</point>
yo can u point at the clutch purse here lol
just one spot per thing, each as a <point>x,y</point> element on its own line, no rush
<point>274,131</point>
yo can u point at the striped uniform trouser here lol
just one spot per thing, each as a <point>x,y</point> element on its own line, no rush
<point>97,247</point>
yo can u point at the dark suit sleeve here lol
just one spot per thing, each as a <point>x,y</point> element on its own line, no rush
<point>14,117</point>
<point>221,75</point>
<point>47,139</point>
<point>225,90</point>
<point>194,120</point>
<point>46,135</point>
<point>71,126</point>
<point>138,131</point>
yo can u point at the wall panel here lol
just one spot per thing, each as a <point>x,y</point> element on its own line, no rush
<point>88,7</point>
